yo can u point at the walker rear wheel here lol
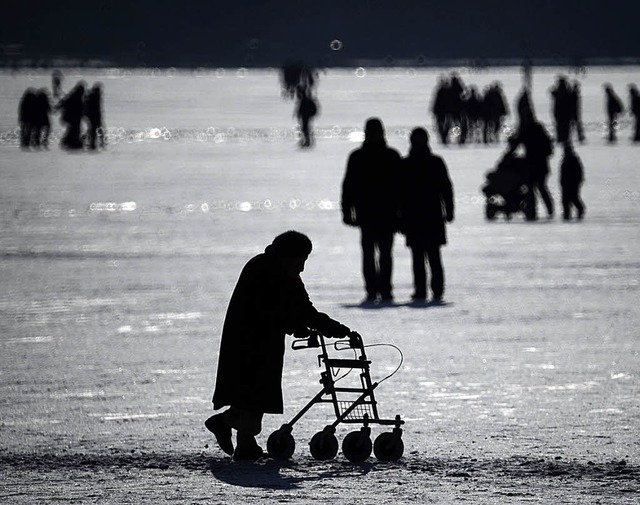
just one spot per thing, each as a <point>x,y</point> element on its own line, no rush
<point>323,445</point>
<point>388,447</point>
<point>356,446</point>
<point>280,444</point>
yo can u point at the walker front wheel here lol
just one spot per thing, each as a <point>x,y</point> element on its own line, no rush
<point>280,444</point>
<point>324,445</point>
<point>356,446</point>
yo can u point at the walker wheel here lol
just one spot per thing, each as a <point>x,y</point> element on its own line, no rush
<point>280,444</point>
<point>388,447</point>
<point>323,445</point>
<point>356,446</point>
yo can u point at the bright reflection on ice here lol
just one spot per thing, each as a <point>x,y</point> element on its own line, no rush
<point>356,137</point>
<point>326,205</point>
<point>112,207</point>
<point>244,206</point>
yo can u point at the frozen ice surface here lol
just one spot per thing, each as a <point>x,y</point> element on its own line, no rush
<point>116,269</point>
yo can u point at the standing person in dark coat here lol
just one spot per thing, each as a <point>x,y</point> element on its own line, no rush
<point>93,114</point>
<point>634,110</point>
<point>72,112</point>
<point>495,108</point>
<point>614,108</point>
<point>538,148</point>
<point>26,114</point>
<point>41,122</point>
<point>439,108</point>
<point>576,111</point>
<point>268,302</point>
<point>370,202</point>
<point>561,97</point>
<point>571,178</point>
<point>426,202</point>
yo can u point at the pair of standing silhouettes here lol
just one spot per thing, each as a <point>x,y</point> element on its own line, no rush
<point>382,194</point>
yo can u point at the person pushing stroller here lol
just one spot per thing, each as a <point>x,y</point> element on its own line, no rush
<point>538,147</point>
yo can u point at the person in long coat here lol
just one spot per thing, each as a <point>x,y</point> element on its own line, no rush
<point>93,115</point>
<point>268,302</point>
<point>571,178</point>
<point>370,202</point>
<point>72,112</point>
<point>426,203</point>
<point>613,108</point>
<point>27,111</point>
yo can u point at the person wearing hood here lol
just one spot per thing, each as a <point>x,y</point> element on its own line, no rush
<point>268,302</point>
<point>426,203</point>
<point>370,201</point>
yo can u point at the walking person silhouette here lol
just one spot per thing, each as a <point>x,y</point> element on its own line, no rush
<point>613,107</point>
<point>571,178</point>
<point>426,203</point>
<point>306,110</point>
<point>268,302</point>
<point>538,147</point>
<point>370,202</point>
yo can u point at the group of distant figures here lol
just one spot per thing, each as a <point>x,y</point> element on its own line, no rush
<point>78,105</point>
<point>469,115</point>
<point>476,117</point>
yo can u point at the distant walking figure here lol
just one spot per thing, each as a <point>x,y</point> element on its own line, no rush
<point>369,201</point>
<point>56,83</point>
<point>495,108</point>
<point>562,108</point>
<point>93,114</point>
<point>538,147</point>
<point>440,109</point>
<point>634,110</point>
<point>571,178</point>
<point>576,111</point>
<point>41,121</point>
<point>26,114</point>
<point>72,112</point>
<point>613,107</point>
<point>306,110</point>
<point>268,302</point>
<point>426,202</point>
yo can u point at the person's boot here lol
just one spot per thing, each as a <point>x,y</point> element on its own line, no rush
<point>222,431</point>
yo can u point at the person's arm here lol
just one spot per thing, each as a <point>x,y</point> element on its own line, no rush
<point>447,193</point>
<point>347,201</point>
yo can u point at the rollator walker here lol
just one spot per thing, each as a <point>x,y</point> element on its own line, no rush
<point>351,405</point>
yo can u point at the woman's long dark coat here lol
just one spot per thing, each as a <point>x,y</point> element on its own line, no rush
<point>426,199</point>
<point>266,304</point>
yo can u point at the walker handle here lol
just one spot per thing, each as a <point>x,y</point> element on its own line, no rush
<point>306,343</point>
<point>354,342</point>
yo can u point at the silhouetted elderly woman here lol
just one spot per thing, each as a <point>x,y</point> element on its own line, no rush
<point>426,202</point>
<point>268,302</point>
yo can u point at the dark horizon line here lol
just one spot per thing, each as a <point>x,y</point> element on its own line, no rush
<point>477,63</point>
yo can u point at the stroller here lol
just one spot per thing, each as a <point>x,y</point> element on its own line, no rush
<point>351,405</point>
<point>507,189</point>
